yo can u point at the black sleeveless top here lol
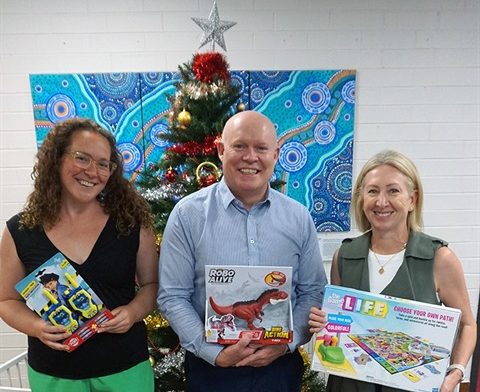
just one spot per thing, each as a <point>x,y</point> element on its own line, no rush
<point>110,272</point>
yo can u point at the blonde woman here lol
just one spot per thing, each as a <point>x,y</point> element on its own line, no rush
<point>394,257</point>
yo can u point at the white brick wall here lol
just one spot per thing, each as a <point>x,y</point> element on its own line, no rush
<point>418,78</point>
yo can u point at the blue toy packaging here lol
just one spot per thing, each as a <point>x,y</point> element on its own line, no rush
<point>385,340</point>
<point>59,295</point>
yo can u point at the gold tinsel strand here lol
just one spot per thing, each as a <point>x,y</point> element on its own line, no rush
<point>305,357</point>
<point>152,360</point>
<point>306,364</point>
<point>158,239</point>
<point>155,321</point>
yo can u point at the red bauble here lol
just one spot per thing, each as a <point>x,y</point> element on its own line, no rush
<point>210,67</point>
<point>207,180</point>
<point>210,179</point>
<point>171,175</point>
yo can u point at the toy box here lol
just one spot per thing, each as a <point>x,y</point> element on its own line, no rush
<point>385,340</point>
<point>59,295</point>
<point>247,298</point>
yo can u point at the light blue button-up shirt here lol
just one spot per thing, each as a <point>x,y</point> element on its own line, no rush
<point>212,227</point>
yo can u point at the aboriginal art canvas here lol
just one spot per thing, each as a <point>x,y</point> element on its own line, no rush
<point>313,112</point>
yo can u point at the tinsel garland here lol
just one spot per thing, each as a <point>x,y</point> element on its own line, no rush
<point>209,67</point>
<point>193,148</point>
<point>169,191</point>
<point>155,321</point>
<point>171,363</point>
<point>200,90</point>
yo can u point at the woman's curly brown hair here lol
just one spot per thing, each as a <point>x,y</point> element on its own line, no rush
<point>119,199</point>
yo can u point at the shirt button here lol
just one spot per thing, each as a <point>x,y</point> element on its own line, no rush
<point>252,241</point>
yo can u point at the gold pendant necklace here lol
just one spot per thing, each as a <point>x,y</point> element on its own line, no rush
<point>381,270</point>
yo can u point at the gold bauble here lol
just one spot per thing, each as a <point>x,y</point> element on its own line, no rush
<point>240,107</point>
<point>184,118</point>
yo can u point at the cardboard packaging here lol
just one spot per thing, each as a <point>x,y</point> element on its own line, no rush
<point>247,298</point>
<point>385,340</point>
<point>59,295</point>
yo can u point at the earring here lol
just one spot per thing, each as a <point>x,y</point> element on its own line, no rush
<point>101,196</point>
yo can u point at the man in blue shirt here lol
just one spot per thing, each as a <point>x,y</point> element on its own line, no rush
<point>239,221</point>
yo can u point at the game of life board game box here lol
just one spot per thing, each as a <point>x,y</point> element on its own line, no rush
<point>58,294</point>
<point>248,298</point>
<point>385,340</point>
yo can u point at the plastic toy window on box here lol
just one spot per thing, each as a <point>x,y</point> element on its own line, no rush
<point>385,340</point>
<point>59,295</point>
<point>247,298</point>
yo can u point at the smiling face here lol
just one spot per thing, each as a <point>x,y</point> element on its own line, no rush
<point>79,184</point>
<point>52,287</point>
<point>248,152</point>
<point>387,199</point>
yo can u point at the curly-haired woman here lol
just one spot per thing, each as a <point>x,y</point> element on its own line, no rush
<point>83,207</point>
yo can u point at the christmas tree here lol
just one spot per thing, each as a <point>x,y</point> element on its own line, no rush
<point>204,100</point>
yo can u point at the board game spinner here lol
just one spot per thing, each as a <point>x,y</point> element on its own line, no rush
<point>248,298</point>
<point>58,294</point>
<point>385,340</point>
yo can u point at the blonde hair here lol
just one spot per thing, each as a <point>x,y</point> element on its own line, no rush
<point>408,169</point>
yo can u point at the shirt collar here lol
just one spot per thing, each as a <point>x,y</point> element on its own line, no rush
<point>228,197</point>
<point>225,194</point>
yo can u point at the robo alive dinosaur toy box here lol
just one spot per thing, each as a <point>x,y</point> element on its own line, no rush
<point>59,295</point>
<point>385,340</point>
<point>247,298</point>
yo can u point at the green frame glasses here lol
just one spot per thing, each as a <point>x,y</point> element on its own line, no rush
<point>83,161</point>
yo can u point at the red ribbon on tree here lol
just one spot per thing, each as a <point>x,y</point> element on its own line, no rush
<point>210,67</point>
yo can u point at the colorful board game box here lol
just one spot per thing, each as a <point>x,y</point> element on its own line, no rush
<point>247,298</point>
<point>59,295</point>
<point>385,340</point>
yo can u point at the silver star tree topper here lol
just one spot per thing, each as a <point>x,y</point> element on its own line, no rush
<point>213,28</point>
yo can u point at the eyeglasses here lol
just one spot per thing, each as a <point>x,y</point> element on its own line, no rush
<point>84,161</point>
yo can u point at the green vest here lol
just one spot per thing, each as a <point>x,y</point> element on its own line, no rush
<point>414,280</point>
